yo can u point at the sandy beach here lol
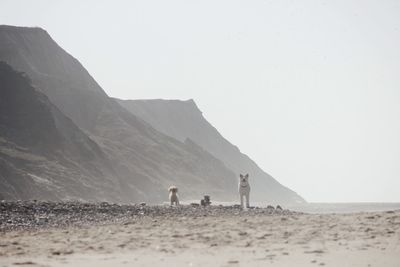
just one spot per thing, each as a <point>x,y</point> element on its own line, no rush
<point>134,235</point>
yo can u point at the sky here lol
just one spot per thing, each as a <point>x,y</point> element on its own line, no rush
<point>310,90</point>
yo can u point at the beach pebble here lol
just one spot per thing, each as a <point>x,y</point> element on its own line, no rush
<point>15,215</point>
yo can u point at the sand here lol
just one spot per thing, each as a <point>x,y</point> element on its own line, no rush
<point>217,238</point>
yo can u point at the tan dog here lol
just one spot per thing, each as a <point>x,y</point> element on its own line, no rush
<point>173,195</point>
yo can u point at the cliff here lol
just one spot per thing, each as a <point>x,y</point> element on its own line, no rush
<point>183,119</point>
<point>145,160</point>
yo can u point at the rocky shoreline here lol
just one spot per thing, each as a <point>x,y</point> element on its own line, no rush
<point>19,215</point>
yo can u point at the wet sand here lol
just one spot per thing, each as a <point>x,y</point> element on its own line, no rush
<point>195,236</point>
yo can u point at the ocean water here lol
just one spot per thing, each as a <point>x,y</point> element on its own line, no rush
<point>324,207</point>
<point>345,207</point>
<point>350,207</point>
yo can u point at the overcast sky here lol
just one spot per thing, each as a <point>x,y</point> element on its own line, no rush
<point>308,89</point>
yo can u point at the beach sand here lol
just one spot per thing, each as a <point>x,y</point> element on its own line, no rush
<point>214,237</point>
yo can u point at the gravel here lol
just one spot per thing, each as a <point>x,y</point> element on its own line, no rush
<point>19,215</point>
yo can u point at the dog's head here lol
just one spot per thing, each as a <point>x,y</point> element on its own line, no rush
<point>173,189</point>
<point>244,180</point>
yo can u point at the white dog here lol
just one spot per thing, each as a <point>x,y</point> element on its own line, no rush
<point>244,189</point>
<point>173,195</point>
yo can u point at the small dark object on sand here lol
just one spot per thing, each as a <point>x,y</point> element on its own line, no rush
<point>206,201</point>
<point>142,204</point>
<point>194,204</point>
<point>279,208</point>
<point>270,207</point>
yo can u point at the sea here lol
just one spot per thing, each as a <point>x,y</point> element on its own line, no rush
<point>345,207</point>
<point>325,208</point>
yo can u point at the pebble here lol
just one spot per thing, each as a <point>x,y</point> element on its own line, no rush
<point>17,215</point>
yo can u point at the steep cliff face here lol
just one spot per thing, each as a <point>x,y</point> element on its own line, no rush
<point>60,76</point>
<point>43,155</point>
<point>146,161</point>
<point>183,119</point>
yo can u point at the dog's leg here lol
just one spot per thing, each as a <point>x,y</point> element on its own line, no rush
<point>247,201</point>
<point>177,202</point>
<point>241,200</point>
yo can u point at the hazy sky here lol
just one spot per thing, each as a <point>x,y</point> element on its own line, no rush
<point>309,89</point>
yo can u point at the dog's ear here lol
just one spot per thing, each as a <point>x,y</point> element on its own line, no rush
<point>241,176</point>
<point>247,176</point>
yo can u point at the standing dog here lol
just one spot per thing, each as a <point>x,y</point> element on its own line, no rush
<point>173,195</point>
<point>244,190</point>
